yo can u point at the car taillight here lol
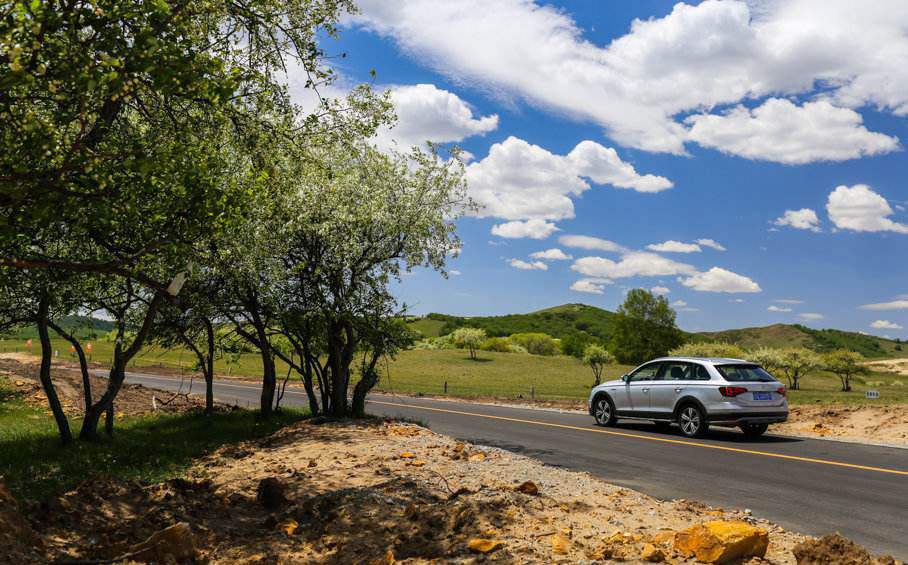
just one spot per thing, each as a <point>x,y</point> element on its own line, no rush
<point>781,390</point>
<point>731,391</point>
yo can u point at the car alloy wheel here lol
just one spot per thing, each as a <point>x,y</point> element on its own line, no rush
<point>691,421</point>
<point>603,412</point>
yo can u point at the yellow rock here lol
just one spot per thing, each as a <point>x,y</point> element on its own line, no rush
<point>652,554</point>
<point>560,543</point>
<point>480,456</point>
<point>528,487</point>
<point>416,463</point>
<point>407,455</point>
<point>289,526</point>
<point>481,545</point>
<point>721,542</point>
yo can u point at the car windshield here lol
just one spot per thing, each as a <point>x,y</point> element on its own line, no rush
<point>745,374</point>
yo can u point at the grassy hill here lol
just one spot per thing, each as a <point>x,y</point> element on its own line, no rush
<point>559,322</point>
<point>83,326</point>
<point>562,321</point>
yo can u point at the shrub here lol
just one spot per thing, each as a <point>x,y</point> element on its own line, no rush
<point>575,344</point>
<point>597,357</point>
<point>536,343</point>
<point>709,349</point>
<point>499,344</point>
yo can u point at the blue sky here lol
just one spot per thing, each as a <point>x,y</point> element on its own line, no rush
<point>771,132</point>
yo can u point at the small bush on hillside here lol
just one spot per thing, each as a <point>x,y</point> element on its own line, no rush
<point>536,343</point>
<point>499,344</point>
<point>575,344</point>
<point>709,349</point>
<point>469,338</point>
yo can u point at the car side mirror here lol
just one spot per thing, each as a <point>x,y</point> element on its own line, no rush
<point>626,378</point>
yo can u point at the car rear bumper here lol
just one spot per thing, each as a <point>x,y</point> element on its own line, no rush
<point>740,418</point>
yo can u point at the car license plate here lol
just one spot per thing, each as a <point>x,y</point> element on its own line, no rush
<point>762,396</point>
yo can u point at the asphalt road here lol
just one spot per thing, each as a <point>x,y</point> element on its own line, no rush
<point>807,485</point>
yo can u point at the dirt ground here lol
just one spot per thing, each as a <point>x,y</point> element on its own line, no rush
<point>897,366</point>
<point>374,493</point>
<point>134,400</point>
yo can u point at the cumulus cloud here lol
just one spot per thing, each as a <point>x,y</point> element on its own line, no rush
<point>900,304</point>
<point>803,219</point>
<point>553,254</point>
<point>590,286</point>
<point>706,242</point>
<point>532,266</point>
<point>638,85</point>
<point>780,131</point>
<point>787,301</point>
<point>518,180</point>
<point>811,316</point>
<point>631,264</point>
<point>775,308</point>
<point>454,273</point>
<point>679,303</point>
<point>672,246</point>
<point>718,279</point>
<point>428,113</point>
<point>859,208</point>
<point>885,325</point>
<point>591,243</point>
<point>533,229</point>
<point>659,290</point>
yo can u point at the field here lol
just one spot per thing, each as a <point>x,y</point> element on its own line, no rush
<point>493,375</point>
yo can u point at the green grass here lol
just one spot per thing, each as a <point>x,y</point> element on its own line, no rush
<point>427,327</point>
<point>510,375</point>
<point>500,375</point>
<point>35,466</point>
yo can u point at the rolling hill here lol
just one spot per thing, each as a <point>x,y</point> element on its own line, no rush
<point>568,319</point>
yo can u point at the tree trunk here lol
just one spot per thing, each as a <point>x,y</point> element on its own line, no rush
<point>269,382</point>
<point>368,380</point>
<point>307,384</point>
<point>109,419</point>
<point>83,364</point>
<point>208,369</point>
<point>116,376</point>
<point>50,391</point>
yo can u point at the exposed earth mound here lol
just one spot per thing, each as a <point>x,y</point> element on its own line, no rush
<point>380,493</point>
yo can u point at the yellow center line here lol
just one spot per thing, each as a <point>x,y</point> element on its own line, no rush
<point>650,438</point>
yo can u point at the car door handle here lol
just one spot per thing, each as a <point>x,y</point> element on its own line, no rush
<point>644,390</point>
<point>678,390</point>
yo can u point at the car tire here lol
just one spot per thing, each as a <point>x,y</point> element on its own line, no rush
<point>692,421</point>
<point>752,431</point>
<point>604,411</point>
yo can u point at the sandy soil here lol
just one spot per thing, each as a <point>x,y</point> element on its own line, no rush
<point>897,366</point>
<point>886,424</point>
<point>22,371</point>
<point>376,493</point>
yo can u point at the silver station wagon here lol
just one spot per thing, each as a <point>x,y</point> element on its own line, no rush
<point>694,392</point>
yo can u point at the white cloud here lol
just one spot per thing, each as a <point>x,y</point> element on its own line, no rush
<point>699,56</point>
<point>632,264</point>
<point>811,316</point>
<point>533,229</point>
<point>775,308</point>
<point>900,304</point>
<point>518,180</point>
<point>679,303</point>
<point>592,243</point>
<point>534,266</point>
<point>803,219</point>
<point>736,300</point>
<point>720,280</point>
<point>659,290</point>
<point>787,301</point>
<point>672,246</point>
<point>860,209</point>
<point>885,325</point>
<point>706,242</point>
<point>591,286</point>
<point>782,132</point>
<point>553,254</point>
<point>428,113</point>
<point>454,273</point>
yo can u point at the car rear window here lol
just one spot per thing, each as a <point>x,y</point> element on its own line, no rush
<point>745,373</point>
